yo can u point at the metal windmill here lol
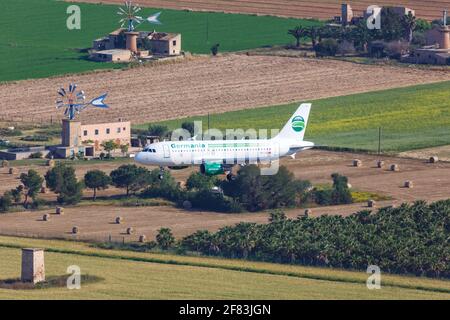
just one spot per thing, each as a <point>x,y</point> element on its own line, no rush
<point>74,101</point>
<point>129,16</point>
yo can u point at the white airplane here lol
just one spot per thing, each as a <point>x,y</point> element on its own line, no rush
<point>219,156</point>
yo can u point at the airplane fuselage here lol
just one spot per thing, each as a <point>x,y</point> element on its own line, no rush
<point>180,153</point>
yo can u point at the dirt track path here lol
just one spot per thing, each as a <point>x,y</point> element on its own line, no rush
<point>204,84</point>
<point>322,9</point>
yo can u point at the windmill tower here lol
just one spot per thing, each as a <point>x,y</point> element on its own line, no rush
<point>74,101</point>
<point>130,18</point>
<point>444,42</point>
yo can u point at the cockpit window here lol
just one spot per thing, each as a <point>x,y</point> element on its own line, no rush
<point>153,150</point>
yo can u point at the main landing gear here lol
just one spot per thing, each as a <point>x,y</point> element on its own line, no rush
<point>231,176</point>
<point>161,173</point>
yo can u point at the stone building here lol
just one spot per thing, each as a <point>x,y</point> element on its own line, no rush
<point>437,50</point>
<point>121,45</point>
<point>87,139</point>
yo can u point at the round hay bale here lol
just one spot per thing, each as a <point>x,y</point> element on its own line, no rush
<point>395,167</point>
<point>308,212</point>
<point>119,220</point>
<point>50,163</point>
<point>75,230</point>
<point>59,210</point>
<point>130,230</point>
<point>187,205</point>
<point>44,190</point>
<point>380,164</point>
<point>409,184</point>
<point>12,171</point>
<point>434,159</point>
<point>5,164</point>
<point>357,163</point>
<point>142,238</point>
<point>46,217</point>
<point>371,203</point>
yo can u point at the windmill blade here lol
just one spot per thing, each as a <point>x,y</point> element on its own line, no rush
<point>72,87</point>
<point>99,102</point>
<point>62,92</point>
<point>59,103</point>
<point>121,11</point>
<point>153,19</point>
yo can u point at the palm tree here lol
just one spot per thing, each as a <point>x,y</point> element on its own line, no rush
<point>410,23</point>
<point>298,33</point>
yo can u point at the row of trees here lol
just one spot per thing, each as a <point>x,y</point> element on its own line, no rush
<point>249,191</point>
<point>330,40</point>
<point>410,239</point>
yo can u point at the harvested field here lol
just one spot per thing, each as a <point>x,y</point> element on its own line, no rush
<point>322,9</point>
<point>431,183</point>
<point>204,84</point>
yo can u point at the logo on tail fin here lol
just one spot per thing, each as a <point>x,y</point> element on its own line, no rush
<point>298,124</point>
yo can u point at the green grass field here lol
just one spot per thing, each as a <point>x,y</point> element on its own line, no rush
<point>411,118</point>
<point>134,275</point>
<point>35,41</point>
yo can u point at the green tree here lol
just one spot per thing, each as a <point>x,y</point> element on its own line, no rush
<point>189,126</point>
<point>298,33</point>
<point>157,130</point>
<point>165,238</point>
<point>341,193</point>
<point>124,149</point>
<point>256,192</point>
<point>327,47</point>
<point>130,177</point>
<point>96,180</point>
<point>5,202</point>
<point>198,181</point>
<point>32,183</point>
<point>17,193</point>
<point>62,180</point>
<point>109,146</point>
<point>393,27</point>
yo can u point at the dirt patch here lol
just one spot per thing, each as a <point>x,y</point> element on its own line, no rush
<point>205,84</point>
<point>322,9</point>
<point>431,183</point>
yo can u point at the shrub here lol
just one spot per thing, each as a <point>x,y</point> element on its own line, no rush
<point>256,192</point>
<point>327,47</point>
<point>215,49</point>
<point>346,47</point>
<point>213,201</point>
<point>36,155</point>
<point>157,130</point>
<point>10,133</point>
<point>36,138</point>
<point>6,202</point>
<point>396,49</point>
<point>199,181</point>
<point>165,238</point>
